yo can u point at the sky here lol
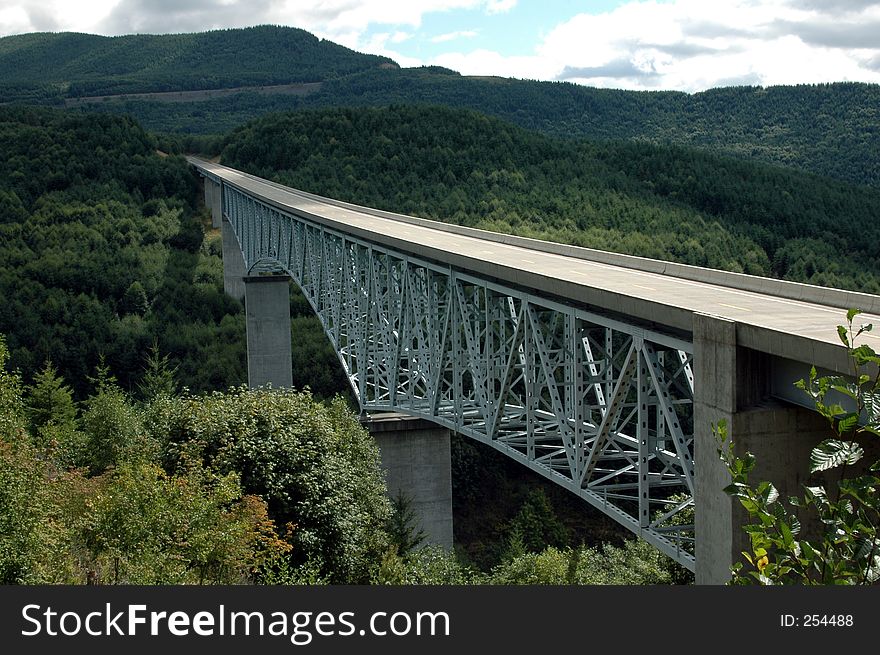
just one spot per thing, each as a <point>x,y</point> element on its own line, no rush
<point>685,45</point>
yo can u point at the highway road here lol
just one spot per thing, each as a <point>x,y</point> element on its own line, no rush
<point>794,321</point>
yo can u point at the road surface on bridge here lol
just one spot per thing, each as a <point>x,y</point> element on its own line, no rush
<point>795,329</point>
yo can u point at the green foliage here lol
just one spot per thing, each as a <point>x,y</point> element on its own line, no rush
<point>12,415</point>
<point>52,415</point>
<point>315,466</point>
<point>123,518</point>
<point>432,565</point>
<point>848,549</point>
<point>134,301</point>
<point>21,516</point>
<point>114,428</point>
<point>636,563</point>
<point>100,252</point>
<point>50,400</point>
<point>827,129</point>
<point>158,379</point>
<point>402,525</point>
<point>664,202</point>
<point>315,363</point>
<point>536,525</point>
<point>145,527</point>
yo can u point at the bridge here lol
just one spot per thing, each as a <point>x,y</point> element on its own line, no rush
<point>602,372</point>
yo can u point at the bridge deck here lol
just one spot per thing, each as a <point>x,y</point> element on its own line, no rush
<point>796,329</point>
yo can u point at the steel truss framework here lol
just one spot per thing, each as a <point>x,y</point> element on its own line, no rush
<point>603,408</point>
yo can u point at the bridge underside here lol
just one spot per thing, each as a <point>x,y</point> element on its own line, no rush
<point>599,406</point>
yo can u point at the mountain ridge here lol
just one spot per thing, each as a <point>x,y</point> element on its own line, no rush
<point>70,64</point>
<point>830,129</point>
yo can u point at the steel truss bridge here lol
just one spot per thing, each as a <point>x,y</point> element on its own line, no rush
<point>597,402</point>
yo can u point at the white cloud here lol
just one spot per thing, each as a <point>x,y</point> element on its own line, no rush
<point>14,20</point>
<point>332,18</point>
<point>486,62</point>
<point>377,44</point>
<point>335,19</point>
<point>17,17</point>
<point>454,36</point>
<point>642,44</point>
<point>691,45</point>
<point>499,6</point>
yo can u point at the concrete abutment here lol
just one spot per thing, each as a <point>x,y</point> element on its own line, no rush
<point>732,384</point>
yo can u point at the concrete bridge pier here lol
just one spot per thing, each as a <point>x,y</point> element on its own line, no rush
<point>416,458</point>
<point>732,383</point>
<point>214,201</point>
<point>267,318</point>
<point>234,270</point>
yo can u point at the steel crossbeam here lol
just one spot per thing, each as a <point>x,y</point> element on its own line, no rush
<point>599,406</point>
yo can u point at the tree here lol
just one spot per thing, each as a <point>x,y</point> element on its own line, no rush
<point>22,513</point>
<point>12,419</point>
<point>50,400</point>
<point>635,563</point>
<point>403,525</point>
<point>536,525</point>
<point>848,549</point>
<point>52,416</point>
<point>143,526</point>
<point>315,465</point>
<point>135,300</point>
<point>22,487</point>
<point>433,565</point>
<point>158,379</point>
<point>114,428</point>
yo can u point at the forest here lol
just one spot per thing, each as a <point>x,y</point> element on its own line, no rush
<point>73,65</point>
<point>827,129</point>
<point>830,130</point>
<point>121,362</point>
<point>102,254</point>
<point>666,202</point>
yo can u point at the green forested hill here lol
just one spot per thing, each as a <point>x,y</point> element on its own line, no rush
<point>831,129</point>
<point>101,254</point>
<point>666,202</point>
<point>46,66</point>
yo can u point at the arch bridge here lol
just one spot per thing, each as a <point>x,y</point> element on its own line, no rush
<point>602,372</point>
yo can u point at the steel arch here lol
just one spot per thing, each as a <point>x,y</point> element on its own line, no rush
<point>602,407</point>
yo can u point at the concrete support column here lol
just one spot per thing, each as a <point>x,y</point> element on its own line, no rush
<point>416,458</point>
<point>233,262</point>
<point>214,201</point>
<point>267,311</point>
<point>732,383</point>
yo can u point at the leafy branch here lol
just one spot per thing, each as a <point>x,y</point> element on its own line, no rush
<point>848,549</point>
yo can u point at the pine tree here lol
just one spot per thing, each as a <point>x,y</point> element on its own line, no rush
<point>403,527</point>
<point>49,400</point>
<point>158,379</point>
<point>135,300</point>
